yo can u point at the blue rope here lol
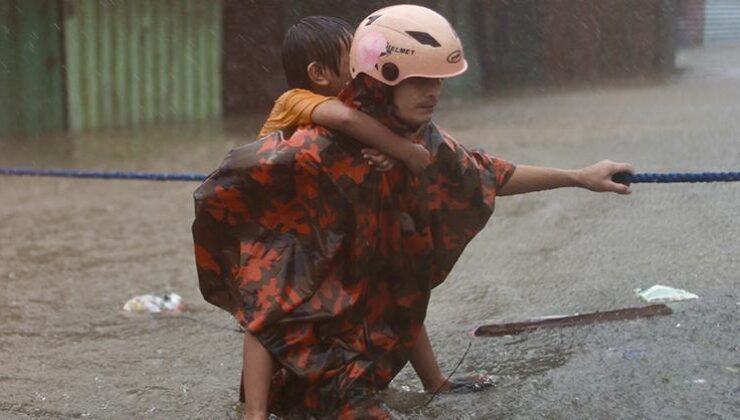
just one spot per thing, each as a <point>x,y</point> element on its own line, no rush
<point>673,177</point>
<point>624,178</point>
<point>148,176</point>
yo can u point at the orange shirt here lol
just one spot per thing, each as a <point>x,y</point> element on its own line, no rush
<point>291,109</point>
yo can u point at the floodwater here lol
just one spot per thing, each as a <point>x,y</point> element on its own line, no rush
<point>73,251</point>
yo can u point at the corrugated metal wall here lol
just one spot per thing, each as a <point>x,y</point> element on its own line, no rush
<point>136,62</point>
<point>690,23</point>
<point>31,90</point>
<point>722,21</point>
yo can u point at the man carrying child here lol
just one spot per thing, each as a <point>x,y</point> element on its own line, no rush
<point>329,264</point>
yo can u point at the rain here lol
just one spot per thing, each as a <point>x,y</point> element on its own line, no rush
<point>170,87</point>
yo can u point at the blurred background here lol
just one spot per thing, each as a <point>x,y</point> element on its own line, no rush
<point>90,64</point>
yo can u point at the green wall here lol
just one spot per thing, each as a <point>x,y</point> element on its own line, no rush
<point>31,84</point>
<point>138,62</point>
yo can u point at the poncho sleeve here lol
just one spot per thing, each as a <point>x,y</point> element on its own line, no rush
<point>461,193</point>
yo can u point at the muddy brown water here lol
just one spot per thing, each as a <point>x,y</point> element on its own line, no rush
<point>73,251</point>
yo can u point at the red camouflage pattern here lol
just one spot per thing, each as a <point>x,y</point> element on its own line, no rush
<point>329,263</point>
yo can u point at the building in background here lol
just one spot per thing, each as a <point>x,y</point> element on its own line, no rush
<point>508,43</point>
<point>690,22</point>
<point>722,21</point>
<point>32,95</point>
<point>135,62</point>
<point>708,22</point>
<point>90,64</point>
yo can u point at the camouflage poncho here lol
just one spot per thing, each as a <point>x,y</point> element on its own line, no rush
<point>329,263</point>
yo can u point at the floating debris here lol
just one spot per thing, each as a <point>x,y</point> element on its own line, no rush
<point>167,304</point>
<point>660,293</point>
<point>733,369</point>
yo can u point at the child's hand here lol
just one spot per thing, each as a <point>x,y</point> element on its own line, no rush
<point>380,161</point>
<point>418,158</point>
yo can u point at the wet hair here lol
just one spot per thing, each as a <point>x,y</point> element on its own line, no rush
<point>322,39</point>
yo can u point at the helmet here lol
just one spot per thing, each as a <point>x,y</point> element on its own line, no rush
<point>404,41</point>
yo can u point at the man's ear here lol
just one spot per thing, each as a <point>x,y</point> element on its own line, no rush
<point>316,74</point>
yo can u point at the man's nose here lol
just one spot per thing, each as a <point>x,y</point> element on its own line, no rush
<point>434,87</point>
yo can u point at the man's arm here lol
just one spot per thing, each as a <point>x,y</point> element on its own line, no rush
<point>335,115</point>
<point>597,177</point>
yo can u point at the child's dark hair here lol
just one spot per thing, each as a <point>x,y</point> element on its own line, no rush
<point>315,38</point>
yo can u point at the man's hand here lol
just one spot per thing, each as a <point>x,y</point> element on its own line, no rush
<point>378,160</point>
<point>598,177</point>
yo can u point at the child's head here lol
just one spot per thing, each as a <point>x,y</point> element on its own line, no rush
<point>316,54</point>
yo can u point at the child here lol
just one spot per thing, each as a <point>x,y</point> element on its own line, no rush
<point>316,61</point>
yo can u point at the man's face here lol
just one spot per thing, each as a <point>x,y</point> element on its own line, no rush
<point>415,99</point>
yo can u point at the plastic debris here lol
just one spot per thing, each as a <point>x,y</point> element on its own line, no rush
<point>167,304</point>
<point>659,293</point>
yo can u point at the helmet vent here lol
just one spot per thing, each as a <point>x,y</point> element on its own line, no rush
<point>372,19</point>
<point>424,38</point>
<point>390,71</point>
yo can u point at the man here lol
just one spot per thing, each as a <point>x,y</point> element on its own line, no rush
<point>329,264</point>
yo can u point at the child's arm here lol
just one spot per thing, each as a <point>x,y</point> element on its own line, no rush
<point>335,115</point>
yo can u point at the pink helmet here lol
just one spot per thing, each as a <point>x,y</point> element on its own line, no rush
<point>404,41</point>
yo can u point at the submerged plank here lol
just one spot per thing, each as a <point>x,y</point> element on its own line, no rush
<point>496,330</point>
